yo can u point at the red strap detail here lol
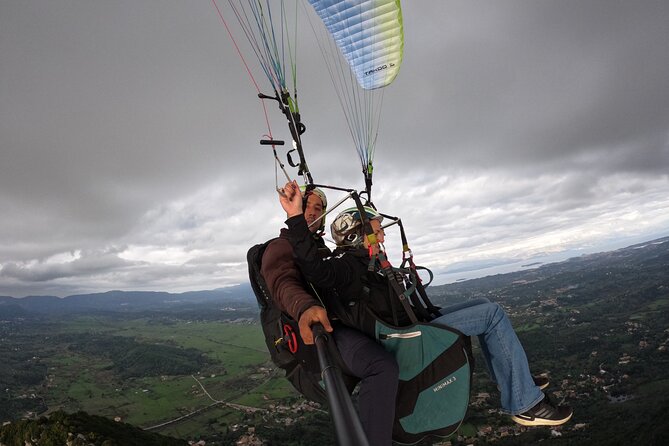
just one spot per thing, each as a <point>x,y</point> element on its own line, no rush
<point>290,338</point>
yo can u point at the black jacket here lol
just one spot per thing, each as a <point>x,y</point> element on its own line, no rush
<point>355,295</point>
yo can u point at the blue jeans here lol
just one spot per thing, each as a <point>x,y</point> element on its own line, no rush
<point>503,353</point>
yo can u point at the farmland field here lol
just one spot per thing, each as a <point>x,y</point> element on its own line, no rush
<point>237,371</point>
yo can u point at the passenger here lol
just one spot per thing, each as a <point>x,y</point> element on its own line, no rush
<point>348,272</point>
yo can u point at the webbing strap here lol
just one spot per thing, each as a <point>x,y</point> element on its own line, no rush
<point>387,270</point>
<point>415,278</point>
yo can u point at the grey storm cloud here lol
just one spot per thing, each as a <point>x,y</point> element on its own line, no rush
<point>542,82</point>
<point>85,264</point>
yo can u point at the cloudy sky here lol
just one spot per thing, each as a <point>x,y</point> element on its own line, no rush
<point>516,131</point>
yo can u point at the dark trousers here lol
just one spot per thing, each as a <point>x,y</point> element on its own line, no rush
<point>379,375</point>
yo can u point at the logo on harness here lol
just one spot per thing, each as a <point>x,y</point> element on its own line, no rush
<point>448,382</point>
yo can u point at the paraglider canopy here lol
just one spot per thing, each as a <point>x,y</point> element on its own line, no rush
<point>368,36</point>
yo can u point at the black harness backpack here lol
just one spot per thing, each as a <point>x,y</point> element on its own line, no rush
<point>283,340</point>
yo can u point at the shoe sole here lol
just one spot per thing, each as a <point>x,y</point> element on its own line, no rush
<point>540,421</point>
<point>544,385</point>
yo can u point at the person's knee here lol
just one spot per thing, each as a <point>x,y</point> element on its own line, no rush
<point>385,365</point>
<point>392,368</point>
<point>496,312</point>
<point>388,376</point>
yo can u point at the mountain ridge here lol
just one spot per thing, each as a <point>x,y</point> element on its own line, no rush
<point>126,301</point>
<point>241,296</point>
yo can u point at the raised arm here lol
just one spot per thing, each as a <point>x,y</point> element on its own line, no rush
<point>324,273</point>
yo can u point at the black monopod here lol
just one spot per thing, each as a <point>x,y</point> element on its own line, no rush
<point>347,424</point>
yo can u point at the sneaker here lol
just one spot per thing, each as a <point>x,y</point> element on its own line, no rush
<point>544,414</point>
<point>541,382</point>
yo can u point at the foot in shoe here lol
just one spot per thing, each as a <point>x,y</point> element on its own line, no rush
<point>544,413</point>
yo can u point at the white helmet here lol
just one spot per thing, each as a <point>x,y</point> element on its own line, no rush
<point>347,227</point>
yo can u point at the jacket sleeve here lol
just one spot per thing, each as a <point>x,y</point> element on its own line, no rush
<point>284,280</point>
<point>324,273</point>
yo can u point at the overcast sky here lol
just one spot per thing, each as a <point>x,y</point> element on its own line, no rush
<point>129,130</point>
